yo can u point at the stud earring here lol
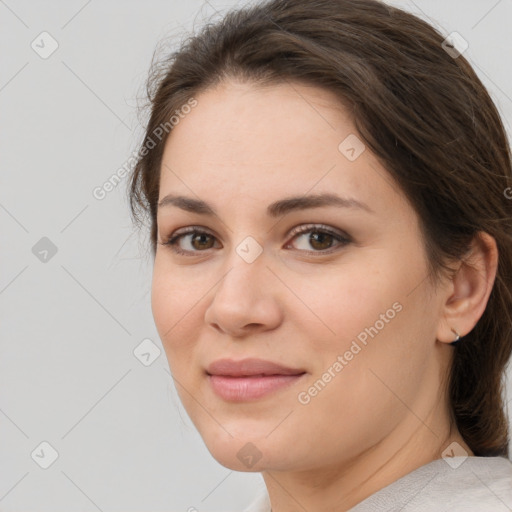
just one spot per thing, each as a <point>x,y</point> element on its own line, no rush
<point>456,340</point>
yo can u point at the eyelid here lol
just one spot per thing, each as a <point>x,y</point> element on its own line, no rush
<point>304,228</point>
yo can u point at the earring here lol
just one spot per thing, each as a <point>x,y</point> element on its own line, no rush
<point>455,341</point>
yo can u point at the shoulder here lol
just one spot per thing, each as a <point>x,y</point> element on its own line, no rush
<point>462,484</point>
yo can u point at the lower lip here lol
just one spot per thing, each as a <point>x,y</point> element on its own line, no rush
<point>239,389</point>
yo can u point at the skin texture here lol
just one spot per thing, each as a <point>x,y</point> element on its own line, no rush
<point>386,412</point>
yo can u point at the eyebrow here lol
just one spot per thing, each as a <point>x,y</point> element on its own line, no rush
<point>275,209</point>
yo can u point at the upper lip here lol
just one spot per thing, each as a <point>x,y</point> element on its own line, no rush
<point>248,367</point>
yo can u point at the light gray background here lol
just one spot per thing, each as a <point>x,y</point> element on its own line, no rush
<point>69,326</point>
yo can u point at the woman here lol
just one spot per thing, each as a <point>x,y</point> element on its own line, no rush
<point>328,186</point>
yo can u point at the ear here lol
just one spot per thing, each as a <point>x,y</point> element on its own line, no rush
<point>468,291</point>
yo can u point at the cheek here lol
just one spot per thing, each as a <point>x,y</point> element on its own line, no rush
<point>163,301</point>
<point>175,309</point>
<point>345,300</point>
<point>369,317</point>
<point>382,337</point>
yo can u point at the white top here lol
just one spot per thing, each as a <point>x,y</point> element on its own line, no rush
<point>458,484</point>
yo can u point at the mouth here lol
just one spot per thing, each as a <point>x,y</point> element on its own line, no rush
<point>249,379</point>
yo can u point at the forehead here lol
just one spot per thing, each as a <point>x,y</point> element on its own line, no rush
<point>242,122</point>
<point>244,141</point>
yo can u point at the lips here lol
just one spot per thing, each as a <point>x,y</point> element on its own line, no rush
<point>250,379</point>
<point>249,368</point>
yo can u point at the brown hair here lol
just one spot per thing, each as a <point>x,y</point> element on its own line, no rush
<point>424,114</point>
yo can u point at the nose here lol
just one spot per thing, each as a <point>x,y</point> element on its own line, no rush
<point>245,300</point>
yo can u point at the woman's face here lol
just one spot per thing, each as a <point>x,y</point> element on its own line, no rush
<point>345,301</point>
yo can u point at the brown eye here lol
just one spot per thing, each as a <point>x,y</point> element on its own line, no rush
<point>312,238</point>
<point>320,238</point>
<point>198,241</point>
<point>190,242</point>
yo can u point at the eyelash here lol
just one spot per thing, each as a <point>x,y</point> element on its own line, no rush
<point>343,239</point>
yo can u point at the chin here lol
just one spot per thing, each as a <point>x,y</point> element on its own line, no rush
<point>252,453</point>
<point>244,452</point>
